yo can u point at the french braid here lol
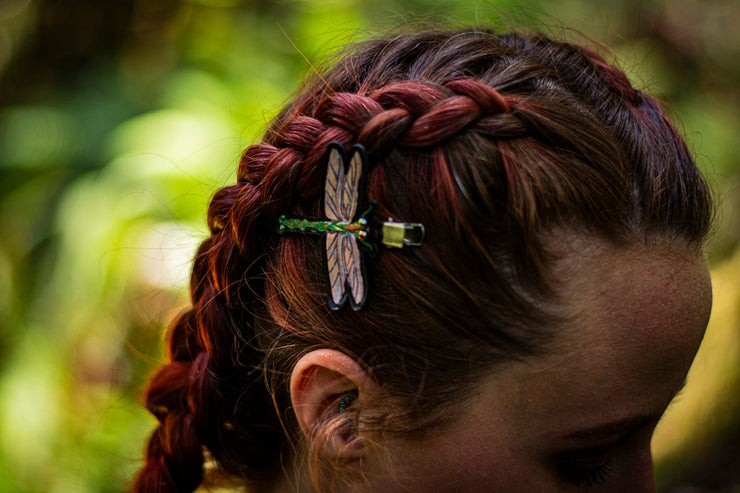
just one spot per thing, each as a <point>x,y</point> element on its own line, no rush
<point>477,123</point>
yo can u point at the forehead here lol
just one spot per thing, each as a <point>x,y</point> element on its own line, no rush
<point>634,320</point>
<point>624,300</point>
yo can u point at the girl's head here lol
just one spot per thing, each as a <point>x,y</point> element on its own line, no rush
<point>531,341</point>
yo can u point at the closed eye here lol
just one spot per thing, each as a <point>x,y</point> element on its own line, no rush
<point>586,468</point>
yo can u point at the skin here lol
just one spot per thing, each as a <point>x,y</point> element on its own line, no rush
<point>579,418</point>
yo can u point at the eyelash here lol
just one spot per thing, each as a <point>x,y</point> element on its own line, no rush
<point>586,476</point>
<point>595,476</point>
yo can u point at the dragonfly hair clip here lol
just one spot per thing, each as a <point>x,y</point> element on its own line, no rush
<point>349,230</point>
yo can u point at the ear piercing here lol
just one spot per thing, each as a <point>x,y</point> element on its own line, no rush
<point>347,399</point>
<point>344,403</point>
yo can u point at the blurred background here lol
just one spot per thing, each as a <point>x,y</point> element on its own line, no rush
<point>119,119</point>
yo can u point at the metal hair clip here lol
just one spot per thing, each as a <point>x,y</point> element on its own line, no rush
<point>346,230</point>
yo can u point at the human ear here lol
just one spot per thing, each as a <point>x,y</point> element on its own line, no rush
<point>328,389</point>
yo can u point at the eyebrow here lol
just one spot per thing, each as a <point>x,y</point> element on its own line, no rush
<point>611,429</point>
<point>621,426</point>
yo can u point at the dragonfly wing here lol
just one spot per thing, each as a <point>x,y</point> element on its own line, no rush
<point>353,265</point>
<point>333,185</point>
<point>350,190</point>
<point>336,268</point>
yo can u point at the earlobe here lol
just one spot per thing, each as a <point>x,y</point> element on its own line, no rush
<point>328,389</point>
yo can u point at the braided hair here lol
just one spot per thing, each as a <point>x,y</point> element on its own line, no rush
<point>492,142</point>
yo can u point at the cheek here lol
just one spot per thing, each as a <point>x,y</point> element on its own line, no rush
<point>463,459</point>
<point>460,473</point>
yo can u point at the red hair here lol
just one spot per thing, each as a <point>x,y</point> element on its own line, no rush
<point>493,143</point>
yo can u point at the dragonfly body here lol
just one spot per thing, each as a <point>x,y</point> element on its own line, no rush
<point>359,228</point>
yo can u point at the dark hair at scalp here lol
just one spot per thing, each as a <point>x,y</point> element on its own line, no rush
<point>492,142</point>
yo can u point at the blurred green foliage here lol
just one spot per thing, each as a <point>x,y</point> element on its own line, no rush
<point>118,120</point>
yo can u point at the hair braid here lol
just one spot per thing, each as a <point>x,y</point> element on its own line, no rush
<point>412,114</point>
<point>202,346</point>
<point>174,455</point>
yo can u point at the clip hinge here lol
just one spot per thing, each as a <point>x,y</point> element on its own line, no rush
<point>398,235</point>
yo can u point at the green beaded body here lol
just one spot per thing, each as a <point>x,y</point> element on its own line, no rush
<point>359,228</point>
